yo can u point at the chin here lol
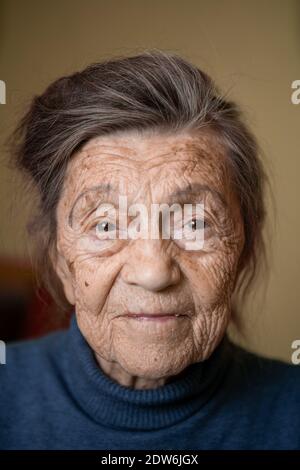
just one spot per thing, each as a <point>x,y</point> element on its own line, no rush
<point>153,366</point>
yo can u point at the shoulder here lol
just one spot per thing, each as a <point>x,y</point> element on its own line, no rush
<point>31,391</point>
<point>264,369</point>
<point>28,361</point>
<point>273,383</point>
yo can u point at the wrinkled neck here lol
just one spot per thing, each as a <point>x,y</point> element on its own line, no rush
<point>115,372</point>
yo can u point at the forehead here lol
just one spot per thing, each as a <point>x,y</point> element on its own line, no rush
<point>161,162</point>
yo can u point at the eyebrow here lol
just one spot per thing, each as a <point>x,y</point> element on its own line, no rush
<point>196,189</point>
<point>105,189</point>
<point>180,194</point>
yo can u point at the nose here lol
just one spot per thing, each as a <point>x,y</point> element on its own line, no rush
<point>151,266</point>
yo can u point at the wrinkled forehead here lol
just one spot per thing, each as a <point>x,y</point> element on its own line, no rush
<point>147,166</point>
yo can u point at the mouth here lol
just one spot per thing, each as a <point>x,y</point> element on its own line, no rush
<point>158,317</point>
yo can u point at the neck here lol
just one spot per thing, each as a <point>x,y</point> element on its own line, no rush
<point>116,372</point>
<point>115,403</point>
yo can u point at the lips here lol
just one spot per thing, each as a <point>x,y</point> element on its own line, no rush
<point>152,316</point>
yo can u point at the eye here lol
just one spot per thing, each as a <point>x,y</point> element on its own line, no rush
<point>104,227</point>
<point>197,224</point>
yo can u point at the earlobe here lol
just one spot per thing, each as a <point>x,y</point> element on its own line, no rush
<point>63,272</point>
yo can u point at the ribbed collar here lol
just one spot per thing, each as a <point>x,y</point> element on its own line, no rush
<point>117,406</point>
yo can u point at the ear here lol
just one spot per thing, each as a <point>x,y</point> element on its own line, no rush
<point>63,272</point>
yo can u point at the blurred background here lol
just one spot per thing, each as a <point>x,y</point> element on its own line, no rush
<point>252,50</point>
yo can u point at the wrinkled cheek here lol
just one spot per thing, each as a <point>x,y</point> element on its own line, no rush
<point>91,290</point>
<point>213,283</point>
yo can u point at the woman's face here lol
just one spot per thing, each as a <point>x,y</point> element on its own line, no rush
<point>108,276</point>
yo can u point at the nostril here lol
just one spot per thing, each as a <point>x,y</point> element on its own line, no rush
<point>156,280</point>
<point>151,275</point>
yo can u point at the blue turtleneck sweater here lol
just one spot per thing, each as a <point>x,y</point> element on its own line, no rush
<point>53,395</point>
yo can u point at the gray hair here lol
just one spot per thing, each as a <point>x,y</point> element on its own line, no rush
<point>152,90</point>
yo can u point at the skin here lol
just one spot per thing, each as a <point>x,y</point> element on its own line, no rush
<point>104,280</point>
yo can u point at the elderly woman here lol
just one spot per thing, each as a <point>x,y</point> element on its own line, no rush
<point>146,362</point>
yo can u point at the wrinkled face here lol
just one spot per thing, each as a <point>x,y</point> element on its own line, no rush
<point>109,278</point>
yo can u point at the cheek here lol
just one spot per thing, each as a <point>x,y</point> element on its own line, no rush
<point>93,280</point>
<point>211,277</point>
